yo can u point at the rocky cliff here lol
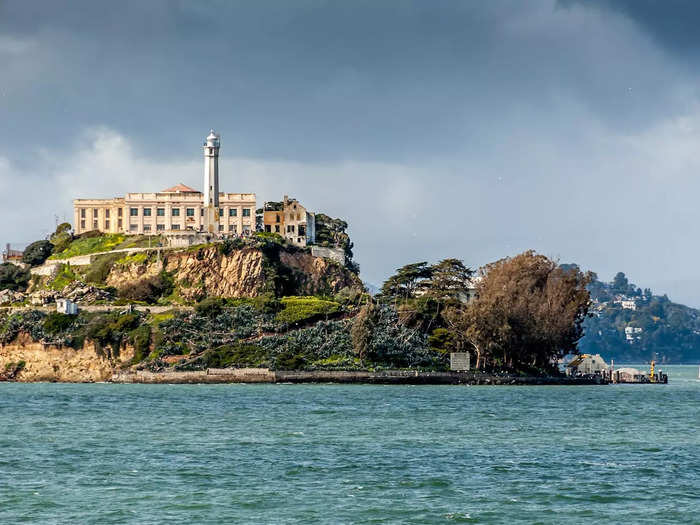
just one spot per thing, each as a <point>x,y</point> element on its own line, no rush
<point>242,273</point>
<point>25,360</point>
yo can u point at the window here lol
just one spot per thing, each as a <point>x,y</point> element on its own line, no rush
<point>133,227</point>
<point>267,228</point>
<point>134,212</point>
<point>246,228</point>
<point>82,213</point>
<point>277,217</point>
<point>232,212</point>
<point>201,212</point>
<point>221,227</point>
<point>176,212</point>
<point>277,228</point>
<point>119,223</point>
<point>290,228</point>
<point>107,224</point>
<point>232,228</point>
<point>190,212</point>
<point>94,213</point>
<point>246,212</point>
<point>147,227</point>
<point>119,212</point>
<point>82,224</point>
<point>175,226</point>
<point>221,212</point>
<point>160,227</point>
<point>106,214</point>
<point>160,212</point>
<point>94,224</point>
<point>302,230</point>
<point>147,212</point>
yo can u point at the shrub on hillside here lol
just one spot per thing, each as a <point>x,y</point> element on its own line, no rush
<point>147,290</point>
<point>210,307</point>
<point>56,322</point>
<point>298,309</point>
<point>13,277</point>
<point>100,268</point>
<point>37,252</point>
<point>62,237</point>
<point>230,245</point>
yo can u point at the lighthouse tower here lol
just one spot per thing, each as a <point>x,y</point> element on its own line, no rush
<point>211,183</point>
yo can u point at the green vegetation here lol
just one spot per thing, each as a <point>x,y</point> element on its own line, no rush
<point>37,252</point>
<point>271,237</point>
<point>62,237</point>
<point>13,277</point>
<point>134,258</point>
<point>148,290</point>
<point>665,331</point>
<point>85,245</point>
<point>63,278</point>
<point>55,323</point>
<point>299,309</point>
<point>99,269</point>
<point>332,232</point>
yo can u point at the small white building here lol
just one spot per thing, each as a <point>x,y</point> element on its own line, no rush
<point>66,306</point>
<point>586,364</point>
<point>629,304</point>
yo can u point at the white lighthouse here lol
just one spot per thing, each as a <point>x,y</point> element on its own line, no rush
<point>211,183</point>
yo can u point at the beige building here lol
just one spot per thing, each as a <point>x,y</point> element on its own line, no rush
<point>173,210</point>
<point>291,220</point>
<point>179,208</point>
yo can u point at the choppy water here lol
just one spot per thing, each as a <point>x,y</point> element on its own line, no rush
<point>350,454</point>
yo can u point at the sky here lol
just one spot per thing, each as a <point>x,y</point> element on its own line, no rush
<point>437,129</point>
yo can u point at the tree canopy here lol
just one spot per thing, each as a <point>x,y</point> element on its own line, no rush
<point>37,252</point>
<point>529,313</point>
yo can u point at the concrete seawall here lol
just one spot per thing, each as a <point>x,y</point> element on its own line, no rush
<point>399,377</point>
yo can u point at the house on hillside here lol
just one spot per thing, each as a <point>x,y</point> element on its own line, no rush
<point>586,364</point>
<point>291,220</point>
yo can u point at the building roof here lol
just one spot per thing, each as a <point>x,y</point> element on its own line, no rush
<point>179,188</point>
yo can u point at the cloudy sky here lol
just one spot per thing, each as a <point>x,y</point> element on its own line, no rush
<point>435,128</point>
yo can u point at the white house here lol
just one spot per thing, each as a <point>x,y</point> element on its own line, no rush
<point>66,306</point>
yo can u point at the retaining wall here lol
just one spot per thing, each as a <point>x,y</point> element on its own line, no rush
<point>405,377</point>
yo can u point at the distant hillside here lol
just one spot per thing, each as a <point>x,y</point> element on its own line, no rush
<point>634,325</point>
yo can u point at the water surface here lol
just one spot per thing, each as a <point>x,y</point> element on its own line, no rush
<point>107,453</point>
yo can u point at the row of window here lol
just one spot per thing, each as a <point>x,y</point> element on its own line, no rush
<point>95,225</point>
<point>233,228</point>
<point>160,212</point>
<point>290,228</point>
<point>96,210</point>
<point>160,227</point>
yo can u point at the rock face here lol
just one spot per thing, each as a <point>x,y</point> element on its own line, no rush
<point>317,275</point>
<point>50,363</point>
<point>242,273</point>
<point>9,296</point>
<point>207,272</point>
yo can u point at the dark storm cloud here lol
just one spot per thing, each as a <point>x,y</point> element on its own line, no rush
<point>674,23</point>
<point>437,128</point>
<point>313,80</point>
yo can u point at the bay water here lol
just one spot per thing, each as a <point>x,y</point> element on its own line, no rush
<point>111,453</point>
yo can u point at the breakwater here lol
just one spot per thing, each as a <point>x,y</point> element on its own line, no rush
<point>399,377</point>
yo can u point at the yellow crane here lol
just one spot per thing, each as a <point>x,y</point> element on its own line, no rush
<point>652,376</point>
